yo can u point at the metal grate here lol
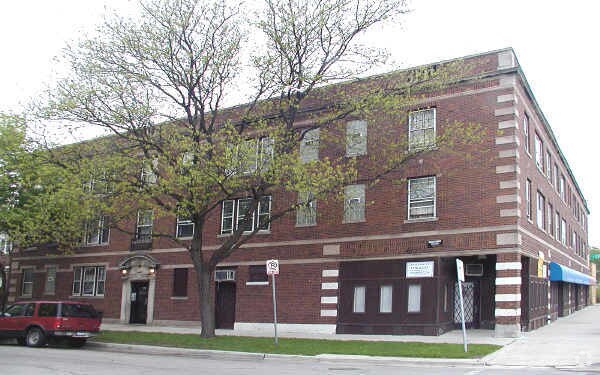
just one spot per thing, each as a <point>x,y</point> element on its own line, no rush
<point>469,302</point>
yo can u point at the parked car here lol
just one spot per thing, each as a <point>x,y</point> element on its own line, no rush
<point>34,323</point>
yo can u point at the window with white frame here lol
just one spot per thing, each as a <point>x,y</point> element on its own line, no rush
<point>309,146</point>
<point>385,298</point>
<point>526,133</point>
<point>550,219</point>
<point>97,230</point>
<point>89,281</point>
<point>561,187</point>
<point>421,197</point>
<point>356,138</point>
<point>573,240</point>
<point>100,182</point>
<point>147,174</point>
<point>50,284</point>
<point>27,282</point>
<point>358,305</point>
<point>253,153</point>
<point>539,152</point>
<point>185,227</point>
<point>143,228</point>
<point>528,199</point>
<point>421,129</point>
<point>563,231</point>
<point>306,214</point>
<point>414,298</point>
<point>556,177</point>
<point>233,215</point>
<point>549,166</point>
<point>540,213</point>
<point>557,226</point>
<point>354,203</point>
<point>5,244</point>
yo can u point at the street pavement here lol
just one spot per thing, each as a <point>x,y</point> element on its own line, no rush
<point>16,360</point>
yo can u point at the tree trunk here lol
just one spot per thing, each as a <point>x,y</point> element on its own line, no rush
<point>207,304</point>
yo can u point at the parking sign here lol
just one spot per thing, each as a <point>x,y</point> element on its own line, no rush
<point>272,267</point>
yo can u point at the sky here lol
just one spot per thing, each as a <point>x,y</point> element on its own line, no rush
<point>556,43</point>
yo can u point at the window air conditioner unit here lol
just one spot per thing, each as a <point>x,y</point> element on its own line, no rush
<point>474,269</point>
<point>224,275</point>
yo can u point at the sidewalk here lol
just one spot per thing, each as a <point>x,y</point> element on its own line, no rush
<point>572,341</point>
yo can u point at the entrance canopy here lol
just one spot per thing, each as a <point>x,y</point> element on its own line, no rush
<point>568,275</point>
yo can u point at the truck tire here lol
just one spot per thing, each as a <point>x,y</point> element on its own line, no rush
<point>35,337</point>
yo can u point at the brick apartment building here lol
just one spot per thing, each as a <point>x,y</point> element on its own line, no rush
<point>512,211</point>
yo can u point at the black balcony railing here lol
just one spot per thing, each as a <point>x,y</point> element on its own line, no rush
<point>141,244</point>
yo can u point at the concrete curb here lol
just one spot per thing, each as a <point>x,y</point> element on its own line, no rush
<point>220,354</point>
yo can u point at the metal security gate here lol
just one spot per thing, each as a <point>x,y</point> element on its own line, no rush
<point>471,307</point>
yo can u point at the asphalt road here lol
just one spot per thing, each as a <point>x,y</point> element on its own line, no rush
<point>16,360</point>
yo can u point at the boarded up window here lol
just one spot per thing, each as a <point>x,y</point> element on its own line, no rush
<point>257,273</point>
<point>180,282</point>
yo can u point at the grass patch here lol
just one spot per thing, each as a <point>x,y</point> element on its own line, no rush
<point>298,346</point>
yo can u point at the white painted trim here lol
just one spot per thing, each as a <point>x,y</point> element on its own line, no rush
<point>508,239</point>
<point>506,111</point>
<point>329,286</point>
<point>507,312</point>
<point>510,153</point>
<point>507,169</point>
<point>331,273</point>
<point>508,266</point>
<point>329,300</point>
<point>512,212</point>
<point>508,297</point>
<point>256,283</point>
<point>507,140</point>
<point>508,198</point>
<point>267,328</point>
<point>328,312</point>
<point>516,280</point>
<point>508,124</point>
<point>506,98</point>
<point>509,81</point>
<point>510,184</point>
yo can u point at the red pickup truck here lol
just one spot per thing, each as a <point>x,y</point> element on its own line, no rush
<point>33,323</point>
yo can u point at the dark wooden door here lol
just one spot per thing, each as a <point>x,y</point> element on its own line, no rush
<point>225,305</point>
<point>139,302</point>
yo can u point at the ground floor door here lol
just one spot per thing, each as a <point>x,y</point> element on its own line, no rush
<point>139,302</point>
<point>471,304</point>
<point>225,305</point>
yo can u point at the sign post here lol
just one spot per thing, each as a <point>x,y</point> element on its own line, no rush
<point>460,271</point>
<point>273,269</point>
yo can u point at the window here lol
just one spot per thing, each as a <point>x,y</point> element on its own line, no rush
<point>100,183</point>
<point>147,174</point>
<point>180,282</point>
<point>563,231</point>
<point>556,176</point>
<point>48,309</point>
<point>539,152</point>
<point>20,309</point>
<point>309,146</point>
<point>421,129</point>
<point>257,274</point>
<point>5,244</point>
<point>528,198</point>
<point>233,213</point>
<point>306,214</point>
<point>88,281</point>
<point>143,228</point>
<point>252,154</point>
<point>561,187</point>
<point>97,231</point>
<point>526,134</point>
<point>541,211</point>
<point>50,284</point>
<point>358,306</point>
<point>185,227</point>
<point>385,299</point>
<point>356,138</point>
<point>27,282</point>
<point>421,197</point>
<point>557,226</point>
<point>573,240</point>
<point>549,166</point>
<point>354,203</point>
<point>550,220</point>
<point>414,298</point>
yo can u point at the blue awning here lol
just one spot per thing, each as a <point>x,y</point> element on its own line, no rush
<point>568,275</point>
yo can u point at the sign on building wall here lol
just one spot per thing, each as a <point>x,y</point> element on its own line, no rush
<point>540,265</point>
<point>419,269</point>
